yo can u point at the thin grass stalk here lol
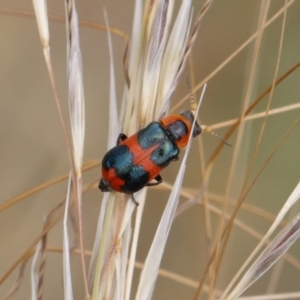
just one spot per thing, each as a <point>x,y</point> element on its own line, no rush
<point>134,115</point>
<point>117,263</point>
<point>51,221</point>
<point>151,266</point>
<point>278,296</point>
<point>278,268</point>
<point>100,258</point>
<point>157,31</point>
<point>231,130</point>
<point>76,160</point>
<point>239,203</point>
<point>33,275</point>
<point>240,200</point>
<point>123,218</point>
<point>275,276</point>
<point>114,242</point>
<point>282,242</point>
<point>238,121</point>
<point>15,288</point>
<point>97,242</point>
<point>116,236</point>
<point>68,289</point>
<point>253,233</point>
<point>124,254</point>
<point>42,267</point>
<point>185,52</point>
<point>259,115</point>
<point>135,46</point>
<point>251,164</point>
<point>130,120</point>
<point>176,47</point>
<point>114,124</point>
<point>254,156</point>
<point>219,248</point>
<point>134,244</point>
<point>153,47</point>
<point>249,230</point>
<point>27,251</point>
<point>101,253</point>
<point>231,56</point>
<point>293,198</point>
<point>40,8</point>
<point>76,109</point>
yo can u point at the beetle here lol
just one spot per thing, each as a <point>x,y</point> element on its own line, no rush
<point>137,161</point>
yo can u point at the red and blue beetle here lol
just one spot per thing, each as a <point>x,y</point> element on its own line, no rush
<point>138,160</point>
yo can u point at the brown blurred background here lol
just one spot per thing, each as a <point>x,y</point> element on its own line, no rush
<point>33,149</point>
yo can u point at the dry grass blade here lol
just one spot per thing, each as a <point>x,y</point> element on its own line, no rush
<point>152,263</point>
<point>87,166</point>
<point>41,272</point>
<point>114,125</point>
<point>15,288</point>
<point>152,54</point>
<point>98,235</point>
<point>103,235</point>
<point>247,112</point>
<point>283,241</point>
<point>279,296</point>
<point>293,198</point>
<point>220,247</point>
<point>68,289</point>
<point>34,277</point>
<point>134,245</point>
<point>40,8</point>
<point>264,11</point>
<point>77,118</point>
<point>101,250</point>
<point>173,58</point>
<point>76,92</point>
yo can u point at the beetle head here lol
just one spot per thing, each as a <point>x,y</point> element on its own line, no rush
<point>104,186</point>
<point>189,115</point>
<point>180,126</point>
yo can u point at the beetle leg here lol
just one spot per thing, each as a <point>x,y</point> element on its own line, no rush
<point>122,137</point>
<point>133,199</point>
<point>158,179</point>
<point>176,158</point>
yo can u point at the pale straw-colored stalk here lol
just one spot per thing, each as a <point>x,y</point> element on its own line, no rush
<point>68,289</point>
<point>76,104</point>
<point>293,198</point>
<point>33,275</point>
<point>152,263</point>
<point>279,245</point>
<point>77,119</point>
<point>149,90</point>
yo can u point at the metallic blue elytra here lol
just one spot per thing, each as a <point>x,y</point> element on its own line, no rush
<point>154,137</point>
<point>120,159</point>
<point>139,159</point>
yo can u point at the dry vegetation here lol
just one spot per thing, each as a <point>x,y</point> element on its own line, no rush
<point>237,204</point>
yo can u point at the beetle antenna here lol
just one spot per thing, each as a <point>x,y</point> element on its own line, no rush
<point>209,130</point>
